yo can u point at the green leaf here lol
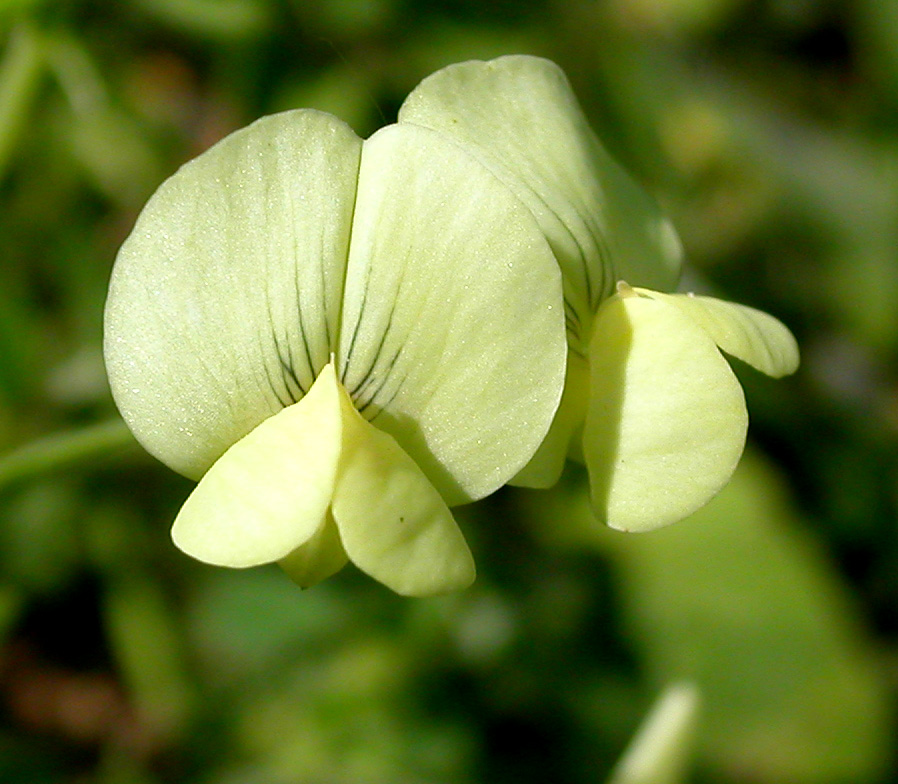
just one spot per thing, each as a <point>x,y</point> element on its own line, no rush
<point>392,521</point>
<point>742,600</point>
<point>226,22</point>
<point>21,66</point>
<point>63,450</point>
<point>519,116</point>
<point>145,638</point>
<point>748,334</point>
<point>270,492</point>
<point>666,422</point>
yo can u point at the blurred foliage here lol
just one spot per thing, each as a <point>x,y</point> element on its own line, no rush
<point>769,131</point>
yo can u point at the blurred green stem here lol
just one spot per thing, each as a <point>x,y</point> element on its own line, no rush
<point>659,752</point>
<point>20,70</point>
<point>63,449</point>
<point>77,75</point>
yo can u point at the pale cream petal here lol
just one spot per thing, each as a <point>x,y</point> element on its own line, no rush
<point>519,116</point>
<point>667,421</point>
<point>751,335</point>
<point>317,559</point>
<point>659,752</point>
<point>545,467</point>
<point>392,521</point>
<point>225,299</point>
<point>453,337</point>
<point>269,493</point>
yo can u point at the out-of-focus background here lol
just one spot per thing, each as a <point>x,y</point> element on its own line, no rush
<point>768,129</point>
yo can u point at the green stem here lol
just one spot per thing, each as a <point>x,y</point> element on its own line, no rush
<point>659,752</point>
<point>20,70</point>
<point>64,449</point>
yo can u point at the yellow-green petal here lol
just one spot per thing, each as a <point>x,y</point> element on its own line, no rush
<point>666,422</point>
<point>318,558</point>
<point>545,467</point>
<point>519,116</point>
<point>392,521</point>
<point>751,335</point>
<point>270,492</point>
<point>453,337</point>
<point>225,299</point>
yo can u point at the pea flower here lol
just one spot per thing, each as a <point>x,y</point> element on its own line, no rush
<point>339,339</point>
<point>650,404</point>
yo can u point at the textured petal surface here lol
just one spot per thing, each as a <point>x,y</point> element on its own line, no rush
<point>453,336</point>
<point>666,422</point>
<point>519,115</point>
<point>255,261</point>
<point>226,294</point>
<point>269,493</point>
<point>392,521</point>
<point>748,334</point>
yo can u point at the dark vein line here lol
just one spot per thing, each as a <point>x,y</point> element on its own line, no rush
<point>277,349</point>
<point>341,301</point>
<point>357,390</point>
<point>302,333</point>
<point>384,379</point>
<point>386,405</point>
<point>287,372</point>
<point>302,328</point>
<point>571,311</point>
<point>268,375</point>
<point>585,264</point>
<point>327,328</point>
<point>607,272</point>
<point>583,260</point>
<point>358,321</point>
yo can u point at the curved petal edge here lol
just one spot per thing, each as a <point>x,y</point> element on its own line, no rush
<point>748,334</point>
<point>393,523</point>
<point>270,492</point>
<point>666,423</point>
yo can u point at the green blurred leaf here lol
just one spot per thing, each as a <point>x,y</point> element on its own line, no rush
<point>741,600</point>
<point>39,547</point>
<point>147,641</point>
<point>346,19</point>
<point>20,68</point>
<point>225,21</point>
<point>244,622</point>
<point>116,154</point>
<point>342,90</point>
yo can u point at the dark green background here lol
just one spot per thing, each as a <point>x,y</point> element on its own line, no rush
<point>769,132</point>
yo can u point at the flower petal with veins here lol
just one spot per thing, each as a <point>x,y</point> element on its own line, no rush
<point>452,338</point>
<point>392,521</point>
<point>518,115</point>
<point>225,298</point>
